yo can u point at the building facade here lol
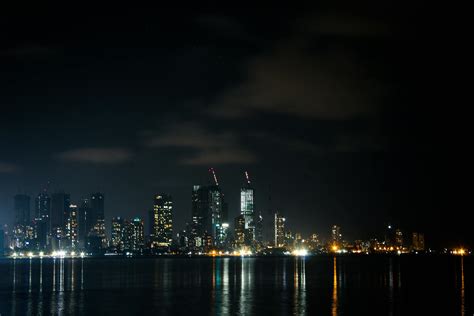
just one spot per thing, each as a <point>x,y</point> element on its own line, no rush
<point>279,230</point>
<point>117,231</point>
<point>162,228</point>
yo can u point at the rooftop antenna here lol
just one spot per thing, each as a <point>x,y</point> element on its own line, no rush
<point>247,177</point>
<point>214,175</point>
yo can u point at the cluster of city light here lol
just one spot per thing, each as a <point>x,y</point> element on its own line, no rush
<point>60,253</point>
<point>54,254</point>
<point>336,249</point>
<point>459,252</point>
<point>244,252</point>
<point>219,253</point>
<point>300,252</point>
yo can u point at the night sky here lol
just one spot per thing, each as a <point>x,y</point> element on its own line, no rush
<point>328,109</point>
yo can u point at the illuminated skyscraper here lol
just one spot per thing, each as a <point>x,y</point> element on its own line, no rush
<point>60,203</point>
<point>215,210</point>
<point>398,238</point>
<point>138,234</point>
<point>22,221</point>
<point>97,216</point>
<point>162,221</point>
<point>279,230</point>
<point>239,231</point>
<point>133,235</point>
<point>208,212</point>
<point>314,241</point>
<point>418,242</point>
<point>336,237</point>
<point>247,205</point>
<point>117,233</point>
<point>72,233</point>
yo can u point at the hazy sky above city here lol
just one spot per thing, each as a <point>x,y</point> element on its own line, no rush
<point>324,107</point>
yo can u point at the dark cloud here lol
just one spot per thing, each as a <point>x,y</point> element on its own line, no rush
<point>219,156</point>
<point>338,143</point>
<point>292,80</point>
<point>220,23</point>
<point>344,25</point>
<point>8,167</point>
<point>28,50</point>
<point>97,155</point>
<point>359,142</point>
<point>209,147</point>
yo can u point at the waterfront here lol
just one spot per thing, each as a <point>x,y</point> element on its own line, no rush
<point>322,285</point>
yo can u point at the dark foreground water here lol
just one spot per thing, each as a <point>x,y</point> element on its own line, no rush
<point>353,285</point>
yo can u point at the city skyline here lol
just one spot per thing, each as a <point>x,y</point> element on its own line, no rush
<point>58,207</point>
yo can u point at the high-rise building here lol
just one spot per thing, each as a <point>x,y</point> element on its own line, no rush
<point>22,209</point>
<point>117,233</point>
<point>182,238</point>
<point>314,241</point>
<point>84,221</point>
<point>389,235</point>
<point>398,238</point>
<point>60,203</point>
<point>199,207</point>
<point>30,241</point>
<point>41,232</point>
<point>208,212</point>
<point>215,210</point>
<point>134,235</point>
<point>289,239</point>
<point>239,231</point>
<point>279,230</point>
<point>247,205</point>
<point>418,241</point>
<point>258,234</point>
<point>162,221</point>
<point>223,230</point>
<point>72,233</point>
<point>225,210</point>
<point>43,209</point>
<point>97,207</point>
<point>336,237</point>
<point>151,223</point>
<point>97,217</point>
<point>138,234</point>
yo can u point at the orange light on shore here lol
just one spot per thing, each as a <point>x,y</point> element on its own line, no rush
<point>459,252</point>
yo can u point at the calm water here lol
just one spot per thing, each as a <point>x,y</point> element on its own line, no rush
<point>268,286</point>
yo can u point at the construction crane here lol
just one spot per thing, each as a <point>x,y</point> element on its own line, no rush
<point>211,170</point>
<point>247,177</point>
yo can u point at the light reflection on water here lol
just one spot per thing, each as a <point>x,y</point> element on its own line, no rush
<point>334,289</point>
<point>463,307</point>
<point>299,286</point>
<point>217,286</point>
